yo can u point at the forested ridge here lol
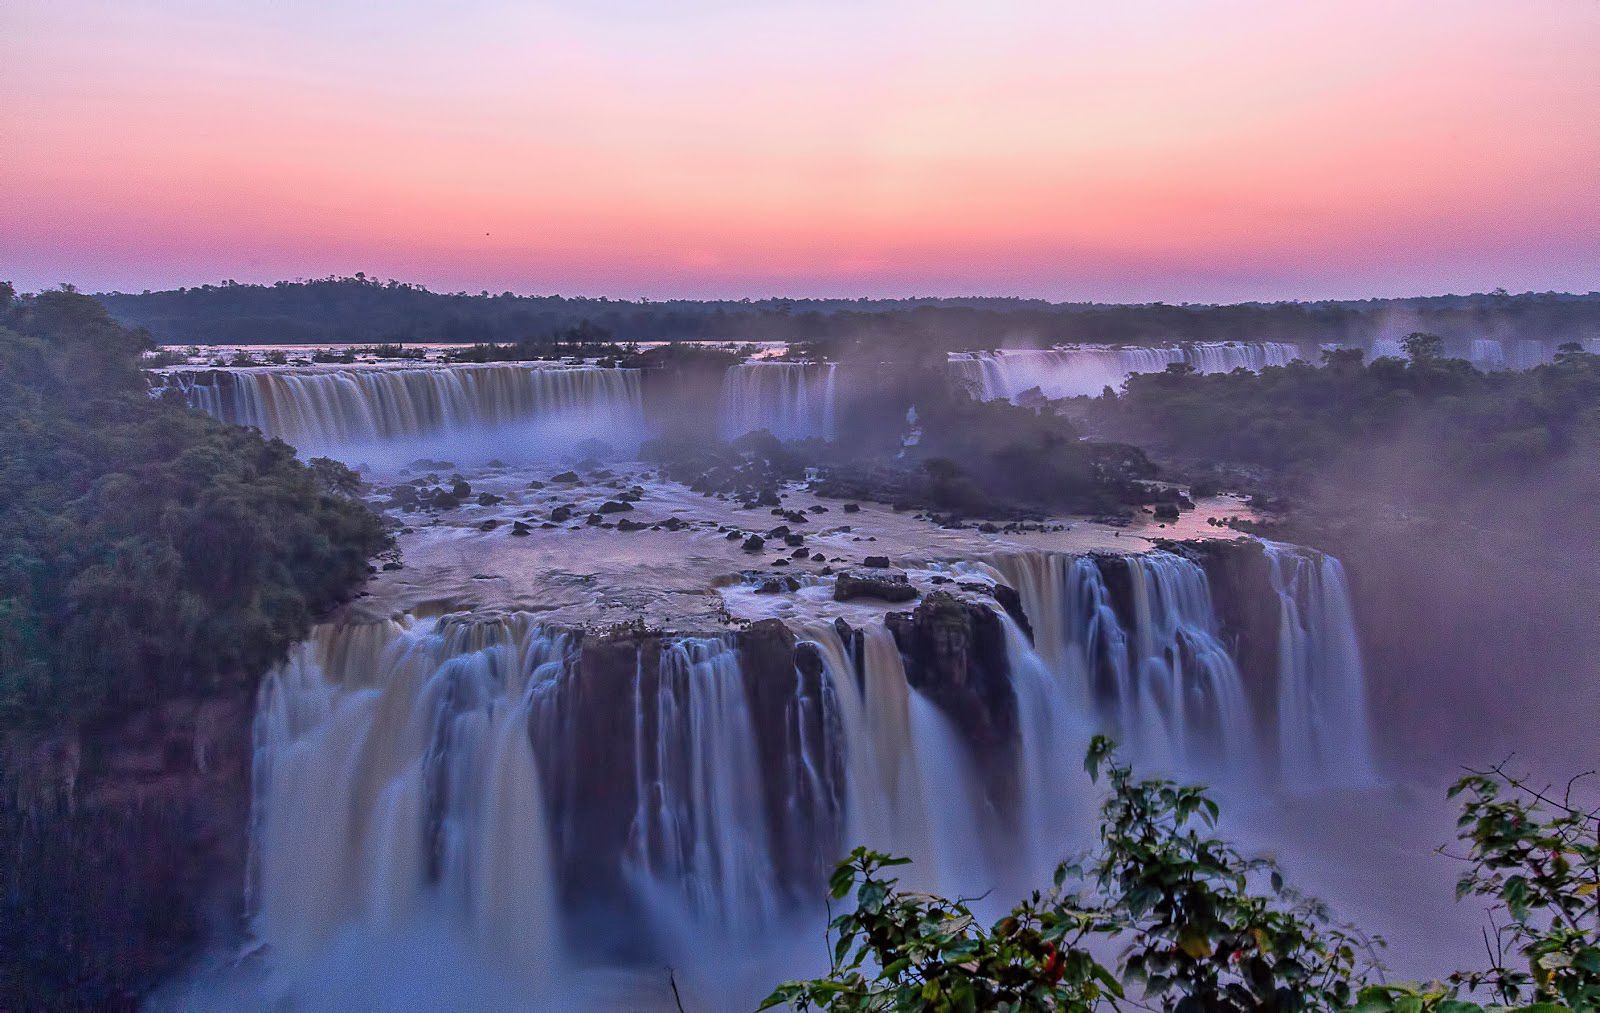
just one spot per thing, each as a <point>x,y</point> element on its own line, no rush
<point>146,549</point>
<point>362,309</point>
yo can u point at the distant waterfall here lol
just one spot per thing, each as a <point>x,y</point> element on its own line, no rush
<point>326,408</point>
<point>395,782</point>
<point>1387,348</point>
<point>792,400</point>
<point>1323,731</point>
<point>1077,370</point>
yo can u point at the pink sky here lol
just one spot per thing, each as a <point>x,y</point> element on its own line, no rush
<point>1152,149</point>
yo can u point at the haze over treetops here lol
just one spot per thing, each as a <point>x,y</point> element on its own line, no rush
<point>1149,150</point>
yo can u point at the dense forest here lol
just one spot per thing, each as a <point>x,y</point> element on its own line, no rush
<point>146,549</point>
<point>362,309</point>
<point>1294,422</point>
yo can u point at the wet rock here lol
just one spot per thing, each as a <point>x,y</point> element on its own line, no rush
<point>489,499</point>
<point>561,513</point>
<point>852,508</point>
<point>767,497</point>
<point>565,476</point>
<point>956,654</point>
<point>461,489</point>
<point>489,525</point>
<point>755,543</point>
<point>885,587</point>
<point>612,506</point>
<point>628,524</point>
<point>794,540</point>
<point>876,562</point>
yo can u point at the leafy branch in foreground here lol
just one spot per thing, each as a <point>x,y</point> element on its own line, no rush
<point>1200,927</point>
<point>1537,857</point>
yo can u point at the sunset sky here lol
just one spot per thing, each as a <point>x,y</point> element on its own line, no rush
<point>1136,150</point>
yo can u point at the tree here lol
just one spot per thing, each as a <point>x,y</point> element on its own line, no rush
<point>1202,929</point>
<point>1423,347</point>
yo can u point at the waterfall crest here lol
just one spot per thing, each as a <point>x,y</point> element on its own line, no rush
<point>1076,370</point>
<point>792,400</point>
<point>330,407</point>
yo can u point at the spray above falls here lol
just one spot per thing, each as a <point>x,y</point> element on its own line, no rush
<point>791,400</point>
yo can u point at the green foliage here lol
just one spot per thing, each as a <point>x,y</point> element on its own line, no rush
<point>145,549</point>
<point>927,953</point>
<point>1464,425</point>
<point>1537,858</point>
<point>1200,927</point>
<point>366,310</point>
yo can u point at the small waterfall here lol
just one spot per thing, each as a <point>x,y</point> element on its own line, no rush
<point>701,849</point>
<point>396,785</point>
<point>1488,353</point>
<point>1159,678</point>
<point>910,785</point>
<point>1078,370</point>
<point>323,408</point>
<point>1323,734</point>
<point>1387,348</point>
<point>792,400</point>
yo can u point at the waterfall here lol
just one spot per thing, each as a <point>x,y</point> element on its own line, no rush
<point>910,784</point>
<point>700,846</point>
<point>792,400</point>
<point>1323,734</point>
<point>1387,348</point>
<point>1158,678</point>
<point>395,784</point>
<point>1076,370</point>
<point>1487,353</point>
<point>329,408</point>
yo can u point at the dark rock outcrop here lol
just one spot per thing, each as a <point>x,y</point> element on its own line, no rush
<point>854,584</point>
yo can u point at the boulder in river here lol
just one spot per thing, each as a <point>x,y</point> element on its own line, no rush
<point>853,584</point>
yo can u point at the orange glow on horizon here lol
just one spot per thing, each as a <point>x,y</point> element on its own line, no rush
<point>1176,150</point>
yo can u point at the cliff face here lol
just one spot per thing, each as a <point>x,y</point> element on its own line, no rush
<point>122,851</point>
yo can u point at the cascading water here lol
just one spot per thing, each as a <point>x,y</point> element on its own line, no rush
<point>1087,369</point>
<point>700,848</point>
<point>488,777</point>
<point>1160,679</point>
<point>910,785</point>
<point>329,408</point>
<point>1324,738</point>
<point>792,400</point>
<point>396,786</point>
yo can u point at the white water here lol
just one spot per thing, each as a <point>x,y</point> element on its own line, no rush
<point>1166,684</point>
<point>399,768</point>
<point>792,400</point>
<point>396,791</point>
<point>1087,369</point>
<point>910,785</point>
<point>330,409</point>
<point>1324,738</point>
<point>700,849</point>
